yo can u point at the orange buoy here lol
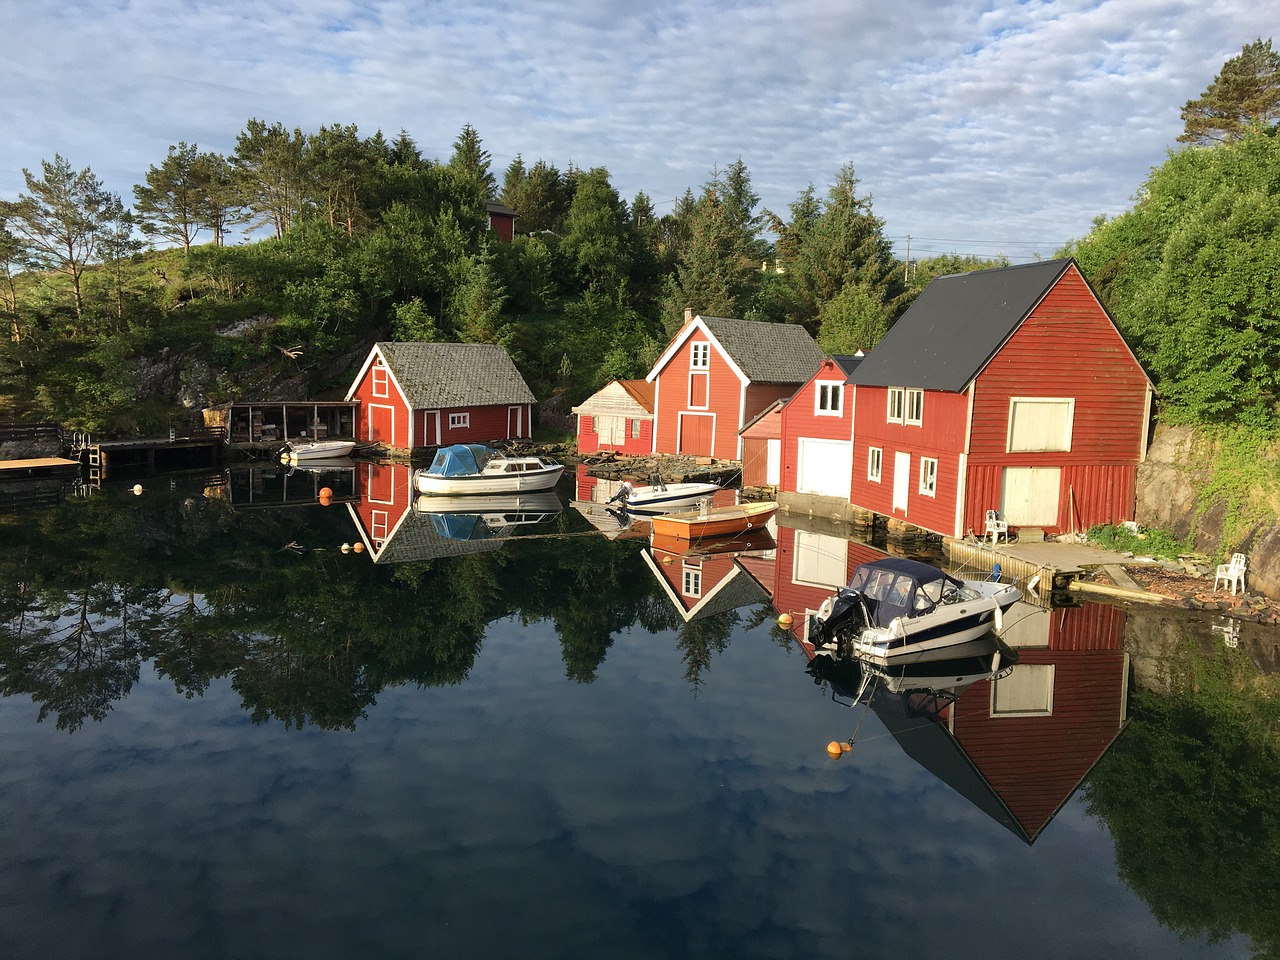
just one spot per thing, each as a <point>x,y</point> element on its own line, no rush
<point>785,620</point>
<point>325,492</point>
<point>358,547</point>
<point>667,560</point>
<point>325,501</point>
<point>845,746</point>
<point>834,750</point>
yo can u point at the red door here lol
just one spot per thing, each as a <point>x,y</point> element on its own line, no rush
<point>696,432</point>
<point>382,424</point>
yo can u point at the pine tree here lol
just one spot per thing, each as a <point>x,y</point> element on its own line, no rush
<point>1243,98</point>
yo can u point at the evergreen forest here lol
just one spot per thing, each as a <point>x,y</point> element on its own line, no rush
<point>267,273</point>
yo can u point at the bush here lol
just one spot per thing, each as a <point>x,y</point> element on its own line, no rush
<point>1149,543</point>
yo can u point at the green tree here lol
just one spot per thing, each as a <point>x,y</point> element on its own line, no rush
<point>60,222</point>
<point>1189,275</point>
<point>1243,98</point>
<point>270,168</point>
<point>340,165</point>
<point>171,202</point>
<point>472,161</point>
<point>854,319</point>
<point>597,233</point>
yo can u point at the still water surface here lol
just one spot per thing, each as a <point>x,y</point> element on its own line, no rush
<point>222,737</point>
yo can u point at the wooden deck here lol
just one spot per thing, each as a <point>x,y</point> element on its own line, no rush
<point>38,467</point>
<point>1058,565</point>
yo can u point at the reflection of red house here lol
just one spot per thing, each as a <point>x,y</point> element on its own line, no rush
<point>817,432</point>
<point>1019,746</point>
<point>703,585</point>
<point>432,394</point>
<point>717,374</point>
<point>1006,389</point>
<point>617,417</point>
<point>809,568</point>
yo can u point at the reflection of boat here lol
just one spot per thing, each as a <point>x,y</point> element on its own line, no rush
<point>896,608</point>
<point>613,523</point>
<point>758,540</point>
<point>659,497</point>
<point>304,449</point>
<point>472,468</point>
<point>709,521</point>
<point>322,465</point>
<point>542,503</point>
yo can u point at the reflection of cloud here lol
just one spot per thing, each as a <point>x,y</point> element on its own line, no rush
<point>520,812</point>
<point>1013,125</point>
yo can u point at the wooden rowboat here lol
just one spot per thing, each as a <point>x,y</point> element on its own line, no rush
<point>710,521</point>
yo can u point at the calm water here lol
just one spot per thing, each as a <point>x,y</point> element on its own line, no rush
<point>223,737</point>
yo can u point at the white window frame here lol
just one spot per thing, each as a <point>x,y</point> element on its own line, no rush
<point>1070,404</point>
<point>635,428</point>
<point>828,399</point>
<point>380,380</point>
<point>875,464</point>
<point>928,476</point>
<point>700,355</point>
<point>913,412</point>
<point>459,421</point>
<point>691,580</point>
<point>897,404</point>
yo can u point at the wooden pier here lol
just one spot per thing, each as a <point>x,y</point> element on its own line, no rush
<point>101,457</point>
<point>1052,566</point>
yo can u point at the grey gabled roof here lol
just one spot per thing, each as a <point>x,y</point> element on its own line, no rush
<point>768,352</point>
<point>956,325</point>
<point>455,374</point>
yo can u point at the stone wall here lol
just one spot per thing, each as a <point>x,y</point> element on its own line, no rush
<point>1177,467</point>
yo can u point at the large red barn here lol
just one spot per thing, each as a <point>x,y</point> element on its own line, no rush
<point>1009,390</point>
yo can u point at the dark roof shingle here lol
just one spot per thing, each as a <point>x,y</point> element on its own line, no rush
<point>455,374</point>
<point>768,352</point>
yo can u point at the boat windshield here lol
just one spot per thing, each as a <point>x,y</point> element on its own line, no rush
<point>460,459</point>
<point>894,588</point>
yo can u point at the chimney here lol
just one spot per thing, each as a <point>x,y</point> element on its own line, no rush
<point>688,315</point>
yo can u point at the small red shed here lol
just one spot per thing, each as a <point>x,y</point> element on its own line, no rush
<point>1009,390</point>
<point>762,447</point>
<point>817,432</point>
<point>618,417</point>
<point>415,395</point>
<point>717,374</point>
<point>502,220</point>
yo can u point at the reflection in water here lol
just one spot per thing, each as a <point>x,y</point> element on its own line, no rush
<point>439,737</point>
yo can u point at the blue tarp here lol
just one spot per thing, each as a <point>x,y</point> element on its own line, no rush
<point>460,460</point>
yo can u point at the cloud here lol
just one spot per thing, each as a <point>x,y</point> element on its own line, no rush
<point>1000,127</point>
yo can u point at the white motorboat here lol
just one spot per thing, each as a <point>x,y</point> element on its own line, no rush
<point>471,468</point>
<point>896,609</point>
<point>659,497</point>
<point>302,448</point>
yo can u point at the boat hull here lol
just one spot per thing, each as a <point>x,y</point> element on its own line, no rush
<point>298,451</point>
<point>529,481</point>
<point>672,498</point>
<point>715,521</point>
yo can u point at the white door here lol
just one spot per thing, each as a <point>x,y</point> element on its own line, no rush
<point>826,467</point>
<point>1029,496</point>
<point>773,462</point>
<point>901,480</point>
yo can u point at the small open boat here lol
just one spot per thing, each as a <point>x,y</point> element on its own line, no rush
<point>896,609</point>
<point>661,497</point>
<point>303,449</point>
<point>471,468</point>
<point>709,521</point>
<point>756,541</point>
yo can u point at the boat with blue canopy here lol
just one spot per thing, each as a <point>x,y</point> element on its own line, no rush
<point>471,468</point>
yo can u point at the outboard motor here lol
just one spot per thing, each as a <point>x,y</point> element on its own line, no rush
<point>623,494</point>
<point>838,622</point>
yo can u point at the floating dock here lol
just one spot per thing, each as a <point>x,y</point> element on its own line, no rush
<point>39,467</point>
<point>1057,565</point>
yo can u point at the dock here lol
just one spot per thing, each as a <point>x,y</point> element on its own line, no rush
<point>1058,566</point>
<point>39,467</point>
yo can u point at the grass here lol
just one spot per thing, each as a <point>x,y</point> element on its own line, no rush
<point>1148,543</point>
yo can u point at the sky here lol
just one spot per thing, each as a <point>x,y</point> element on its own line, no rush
<point>987,128</point>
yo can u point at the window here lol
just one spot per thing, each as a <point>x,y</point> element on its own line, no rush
<point>635,429</point>
<point>692,581</point>
<point>915,407</point>
<point>895,404</point>
<point>875,463</point>
<point>700,355</point>
<point>829,399</point>
<point>458,421</point>
<point>1039,424</point>
<point>380,381</point>
<point>928,476</point>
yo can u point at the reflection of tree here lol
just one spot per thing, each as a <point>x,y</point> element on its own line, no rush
<point>1191,793</point>
<point>701,639</point>
<point>75,655</point>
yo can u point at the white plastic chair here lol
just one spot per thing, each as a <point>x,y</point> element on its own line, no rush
<point>996,528</point>
<point>1231,573</point>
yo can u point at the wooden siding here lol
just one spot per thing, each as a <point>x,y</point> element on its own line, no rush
<point>363,395</point>
<point>1090,495</point>
<point>1066,348</point>
<point>724,399</point>
<point>755,462</point>
<point>1035,763</point>
<point>589,440</point>
<point>940,436</point>
<point>799,419</point>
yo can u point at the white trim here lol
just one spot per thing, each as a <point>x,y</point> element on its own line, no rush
<point>968,417</point>
<point>519,409</point>
<point>657,417</point>
<point>878,476</point>
<point>680,415</point>
<point>688,399</point>
<point>681,339</point>
<point>908,393</point>
<point>901,481</point>
<point>888,410</point>
<point>929,466</point>
<point>463,420</point>
<point>1146,426</point>
<point>962,487</point>
<point>835,388</point>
